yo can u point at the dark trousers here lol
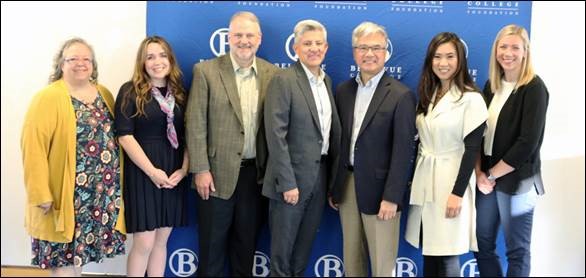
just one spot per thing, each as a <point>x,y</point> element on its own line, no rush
<point>293,229</point>
<point>515,213</point>
<point>441,266</point>
<point>231,226</point>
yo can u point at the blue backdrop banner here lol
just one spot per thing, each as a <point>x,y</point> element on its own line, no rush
<point>198,30</point>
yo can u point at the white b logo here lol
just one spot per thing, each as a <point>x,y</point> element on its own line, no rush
<point>327,265</point>
<point>289,48</point>
<point>405,267</point>
<point>262,264</point>
<point>469,269</point>
<point>218,46</point>
<point>183,262</point>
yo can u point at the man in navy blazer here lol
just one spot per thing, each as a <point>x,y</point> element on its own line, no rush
<point>377,114</point>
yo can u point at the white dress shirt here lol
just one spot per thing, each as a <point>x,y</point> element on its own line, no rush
<point>323,105</point>
<point>364,95</point>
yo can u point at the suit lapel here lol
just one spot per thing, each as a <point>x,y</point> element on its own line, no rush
<point>379,94</point>
<point>229,80</point>
<point>262,83</point>
<point>349,116</point>
<point>303,84</point>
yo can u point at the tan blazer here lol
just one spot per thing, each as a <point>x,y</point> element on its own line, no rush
<point>214,129</point>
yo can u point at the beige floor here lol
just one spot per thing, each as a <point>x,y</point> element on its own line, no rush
<point>25,271</point>
<point>20,271</point>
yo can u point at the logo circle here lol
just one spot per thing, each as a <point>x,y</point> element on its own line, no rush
<point>181,258</point>
<point>221,35</point>
<point>328,263</point>
<point>289,48</point>
<point>469,269</point>
<point>404,265</point>
<point>465,47</point>
<point>389,50</point>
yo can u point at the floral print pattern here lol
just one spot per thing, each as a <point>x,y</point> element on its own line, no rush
<point>97,194</point>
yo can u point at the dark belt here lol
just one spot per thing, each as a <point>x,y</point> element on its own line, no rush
<point>248,162</point>
<point>324,158</point>
<point>350,168</point>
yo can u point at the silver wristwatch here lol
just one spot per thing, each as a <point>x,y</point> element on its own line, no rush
<point>490,176</point>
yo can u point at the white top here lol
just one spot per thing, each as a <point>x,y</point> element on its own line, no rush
<point>497,103</point>
<point>364,95</point>
<point>323,105</point>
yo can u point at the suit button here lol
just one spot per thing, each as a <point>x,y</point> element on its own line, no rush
<point>355,148</point>
<point>242,132</point>
<point>239,153</point>
<point>317,161</point>
<point>319,142</point>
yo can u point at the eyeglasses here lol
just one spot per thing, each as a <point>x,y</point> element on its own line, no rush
<point>76,60</point>
<point>363,49</point>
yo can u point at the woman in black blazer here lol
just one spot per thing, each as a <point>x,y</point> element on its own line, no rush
<point>517,102</point>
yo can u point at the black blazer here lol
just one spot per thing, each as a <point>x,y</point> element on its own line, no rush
<point>385,148</point>
<point>518,137</point>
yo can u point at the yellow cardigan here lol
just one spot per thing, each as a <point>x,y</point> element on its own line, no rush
<point>48,146</point>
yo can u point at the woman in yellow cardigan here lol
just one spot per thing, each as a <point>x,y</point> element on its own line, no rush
<point>72,167</point>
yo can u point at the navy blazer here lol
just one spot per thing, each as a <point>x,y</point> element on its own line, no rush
<point>518,137</point>
<point>385,149</point>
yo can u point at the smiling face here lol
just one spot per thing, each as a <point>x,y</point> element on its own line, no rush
<point>157,64</point>
<point>311,49</point>
<point>369,54</point>
<point>445,62</point>
<point>244,38</point>
<point>77,64</point>
<point>510,53</point>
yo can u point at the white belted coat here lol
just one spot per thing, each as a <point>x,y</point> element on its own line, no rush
<point>441,133</point>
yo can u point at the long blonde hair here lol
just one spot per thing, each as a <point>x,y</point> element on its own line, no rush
<point>495,70</point>
<point>141,79</point>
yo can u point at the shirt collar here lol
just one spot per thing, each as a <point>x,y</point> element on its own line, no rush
<point>372,82</point>
<point>312,78</point>
<point>236,67</point>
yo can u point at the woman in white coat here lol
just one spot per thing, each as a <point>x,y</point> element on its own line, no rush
<point>451,116</point>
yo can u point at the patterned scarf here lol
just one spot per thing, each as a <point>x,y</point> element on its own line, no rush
<point>167,105</point>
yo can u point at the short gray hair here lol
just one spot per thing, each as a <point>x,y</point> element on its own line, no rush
<point>368,28</point>
<point>308,25</point>
<point>59,60</point>
<point>246,15</point>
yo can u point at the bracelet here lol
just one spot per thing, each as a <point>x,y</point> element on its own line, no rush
<point>490,176</point>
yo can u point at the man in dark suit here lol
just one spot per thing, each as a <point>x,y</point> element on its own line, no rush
<point>227,149</point>
<point>303,132</point>
<point>377,114</point>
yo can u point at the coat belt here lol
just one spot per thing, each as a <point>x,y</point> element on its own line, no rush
<point>424,186</point>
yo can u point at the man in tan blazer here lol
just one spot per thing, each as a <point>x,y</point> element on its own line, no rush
<point>227,149</point>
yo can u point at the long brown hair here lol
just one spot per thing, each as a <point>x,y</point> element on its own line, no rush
<point>141,80</point>
<point>429,82</point>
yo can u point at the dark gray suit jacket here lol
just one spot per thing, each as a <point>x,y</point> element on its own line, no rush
<point>214,128</point>
<point>385,147</point>
<point>294,138</point>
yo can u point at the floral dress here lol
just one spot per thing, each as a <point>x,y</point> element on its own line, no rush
<point>97,194</point>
